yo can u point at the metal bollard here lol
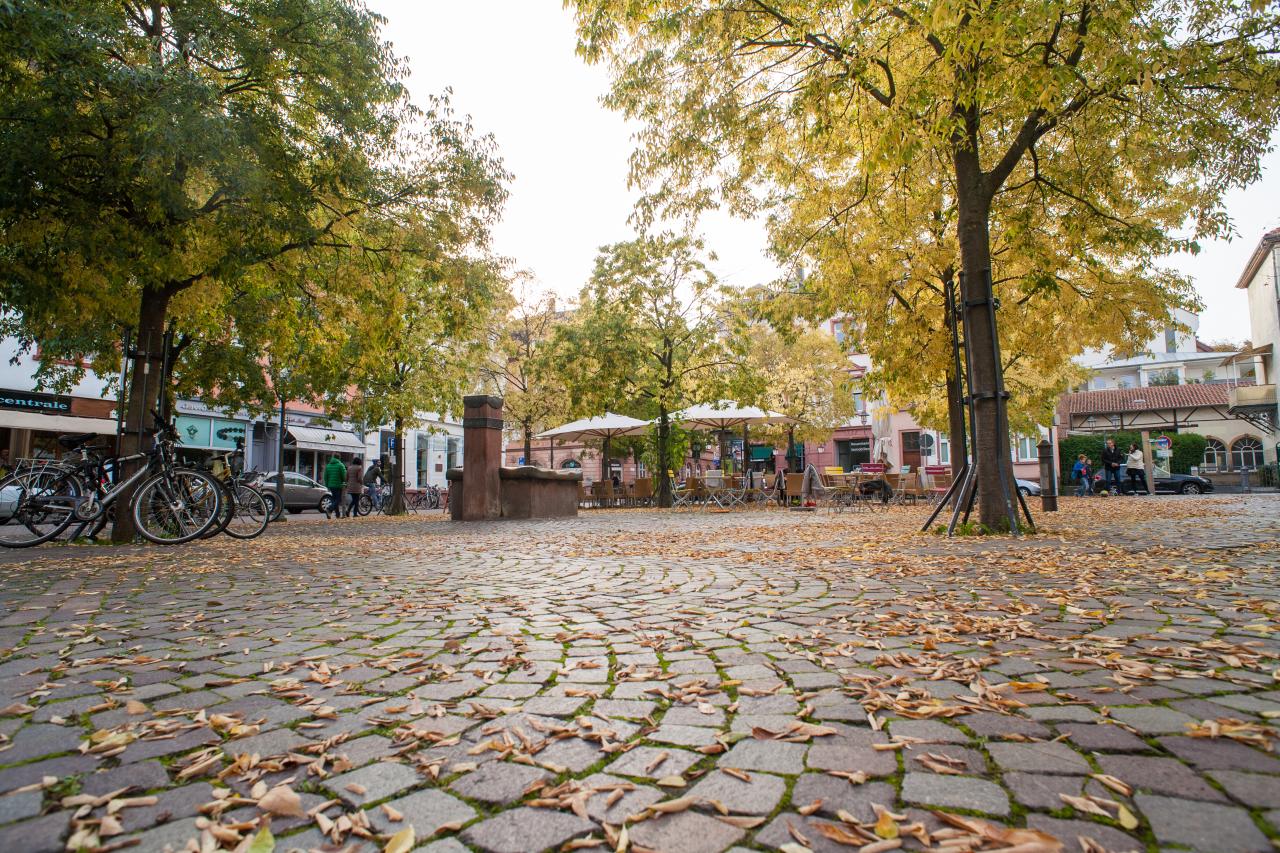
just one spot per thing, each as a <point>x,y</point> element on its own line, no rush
<point>1244,480</point>
<point>1048,482</point>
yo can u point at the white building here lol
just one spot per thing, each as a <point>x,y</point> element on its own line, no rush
<point>1174,357</point>
<point>1261,278</point>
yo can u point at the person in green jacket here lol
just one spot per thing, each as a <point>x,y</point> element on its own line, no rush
<point>335,480</point>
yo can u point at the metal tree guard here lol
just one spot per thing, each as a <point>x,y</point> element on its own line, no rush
<point>964,489</point>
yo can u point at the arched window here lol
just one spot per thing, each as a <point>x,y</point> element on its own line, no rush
<point>1246,453</point>
<point>1215,455</point>
<point>571,463</point>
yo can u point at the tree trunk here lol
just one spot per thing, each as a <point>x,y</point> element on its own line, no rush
<point>144,391</point>
<point>664,458</point>
<point>397,506</point>
<point>527,428</point>
<point>990,439</point>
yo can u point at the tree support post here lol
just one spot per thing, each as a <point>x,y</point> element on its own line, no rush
<point>965,489</point>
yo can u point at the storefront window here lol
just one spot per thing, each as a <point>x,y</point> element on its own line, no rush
<point>944,449</point>
<point>424,459</point>
<point>453,453</point>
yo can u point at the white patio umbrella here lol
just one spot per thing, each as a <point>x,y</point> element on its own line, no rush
<point>605,427</point>
<point>727,416</point>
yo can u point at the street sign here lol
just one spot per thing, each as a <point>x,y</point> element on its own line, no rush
<point>1162,442</point>
<point>926,442</point>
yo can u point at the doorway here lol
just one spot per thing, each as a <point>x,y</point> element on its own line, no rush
<point>911,450</point>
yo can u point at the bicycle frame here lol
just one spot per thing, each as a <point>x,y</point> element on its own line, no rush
<point>108,497</point>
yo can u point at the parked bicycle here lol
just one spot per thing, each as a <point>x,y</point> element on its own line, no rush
<point>426,498</point>
<point>246,510</point>
<point>170,504</point>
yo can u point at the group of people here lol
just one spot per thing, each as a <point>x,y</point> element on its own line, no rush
<point>341,479</point>
<point>1113,460</point>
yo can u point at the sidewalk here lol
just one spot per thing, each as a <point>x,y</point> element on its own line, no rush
<point>707,681</point>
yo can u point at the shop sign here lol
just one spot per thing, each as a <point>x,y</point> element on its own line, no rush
<point>226,433</point>
<point>193,432</point>
<point>33,402</point>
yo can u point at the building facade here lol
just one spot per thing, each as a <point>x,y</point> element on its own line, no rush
<point>1261,280</point>
<point>31,421</point>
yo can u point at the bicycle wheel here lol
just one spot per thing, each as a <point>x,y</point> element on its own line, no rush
<point>36,506</point>
<point>249,515</point>
<point>274,508</point>
<point>225,514</point>
<point>364,505</point>
<point>178,506</point>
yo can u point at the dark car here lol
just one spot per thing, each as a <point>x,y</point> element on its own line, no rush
<point>1165,483</point>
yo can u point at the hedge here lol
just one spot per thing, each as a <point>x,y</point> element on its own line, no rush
<point>1188,449</point>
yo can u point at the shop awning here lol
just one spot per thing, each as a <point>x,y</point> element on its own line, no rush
<point>322,438</point>
<point>62,424</point>
<point>759,452</point>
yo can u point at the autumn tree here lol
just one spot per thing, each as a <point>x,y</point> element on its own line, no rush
<point>158,155</point>
<point>415,338</point>
<point>798,371</point>
<point>646,338</point>
<point>522,367</point>
<point>1129,120</point>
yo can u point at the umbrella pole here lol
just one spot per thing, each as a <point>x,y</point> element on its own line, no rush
<point>604,460</point>
<point>746,455</point>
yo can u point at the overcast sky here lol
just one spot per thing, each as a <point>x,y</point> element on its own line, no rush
<point>512,67</point>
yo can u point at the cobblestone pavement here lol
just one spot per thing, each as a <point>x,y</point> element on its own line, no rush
<point>647,680</point>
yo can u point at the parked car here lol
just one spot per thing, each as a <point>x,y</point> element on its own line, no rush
<point>1029,488</point>
<point>1165,484</point>
<point>300,492</point>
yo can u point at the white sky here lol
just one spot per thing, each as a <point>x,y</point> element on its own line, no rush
<point>512,67</point>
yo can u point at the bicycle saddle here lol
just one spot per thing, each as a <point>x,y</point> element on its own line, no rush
<point>71,442</point>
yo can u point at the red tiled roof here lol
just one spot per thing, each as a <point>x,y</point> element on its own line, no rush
<point>1155,397</point>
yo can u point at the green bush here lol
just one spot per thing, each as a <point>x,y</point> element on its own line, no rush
<point>1188,450</point>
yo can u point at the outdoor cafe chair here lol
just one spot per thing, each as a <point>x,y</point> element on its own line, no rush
<point>687,496</point>
<point>939,480</point>
<point>732,495</point>
<point>603,492</point>
<point>642,490</point>
<point>795,485</point>
<point>912,487</point>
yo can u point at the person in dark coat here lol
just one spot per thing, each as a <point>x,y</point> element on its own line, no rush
<point>355,487</point>
<point>1112,463</point>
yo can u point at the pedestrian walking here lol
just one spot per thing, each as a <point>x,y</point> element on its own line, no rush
<point>1081,474</point>
<point>335,479</point>
<point>355,488</point>
<point>1135,467</point>
<point>1112,461</point>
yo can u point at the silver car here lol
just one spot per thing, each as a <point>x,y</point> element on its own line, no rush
<point>300,492</point>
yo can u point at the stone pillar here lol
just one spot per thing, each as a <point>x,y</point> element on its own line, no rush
<point>481,457</point>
